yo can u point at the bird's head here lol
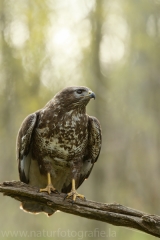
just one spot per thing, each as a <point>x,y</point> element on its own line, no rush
<point>74,97</point>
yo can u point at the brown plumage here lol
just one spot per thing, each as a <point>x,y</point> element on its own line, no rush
<point>60,140</point>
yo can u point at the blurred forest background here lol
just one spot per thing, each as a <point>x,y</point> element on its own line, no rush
<point>111,46</point>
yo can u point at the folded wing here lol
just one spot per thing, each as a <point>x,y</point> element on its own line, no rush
<point>93,148</point>
<point>24,140</point>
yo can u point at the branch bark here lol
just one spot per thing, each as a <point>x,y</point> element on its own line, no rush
<point>113,213</point>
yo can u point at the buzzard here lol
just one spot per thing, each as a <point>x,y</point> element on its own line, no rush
<point>58,145</point>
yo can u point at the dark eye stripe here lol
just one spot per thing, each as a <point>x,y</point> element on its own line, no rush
<point>79,91</point>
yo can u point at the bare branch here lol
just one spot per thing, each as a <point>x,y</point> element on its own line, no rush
<point>113,213</point>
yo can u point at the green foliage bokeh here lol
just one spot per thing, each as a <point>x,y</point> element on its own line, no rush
<point>112,47</point>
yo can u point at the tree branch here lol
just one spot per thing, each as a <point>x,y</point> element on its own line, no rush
<point>113,213</point>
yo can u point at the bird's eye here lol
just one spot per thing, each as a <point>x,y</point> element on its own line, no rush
<point>79,91</point>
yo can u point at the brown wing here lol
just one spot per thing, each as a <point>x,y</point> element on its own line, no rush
<point>93,149</point>
<point>92,153</point>
<point>24,139</point>
<point>95,139</point>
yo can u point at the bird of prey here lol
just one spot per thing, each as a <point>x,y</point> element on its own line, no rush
<point>58,145</point>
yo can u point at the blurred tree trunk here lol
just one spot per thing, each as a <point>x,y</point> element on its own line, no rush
<point>20,86</point>
<point>10,73</point>
<point>98,175</point>
<point>96,37</point>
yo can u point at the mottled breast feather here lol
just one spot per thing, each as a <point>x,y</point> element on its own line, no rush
<point>61,139</point>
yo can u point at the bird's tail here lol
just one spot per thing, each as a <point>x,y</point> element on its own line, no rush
<point>33,207</point>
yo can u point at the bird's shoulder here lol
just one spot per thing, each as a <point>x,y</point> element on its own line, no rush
<point>25,133</point>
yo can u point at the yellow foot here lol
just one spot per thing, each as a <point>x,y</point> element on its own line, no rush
<point>74,195</point>
<point>48,189</point>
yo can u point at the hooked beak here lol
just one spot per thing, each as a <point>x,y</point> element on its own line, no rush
<point>92,94</point>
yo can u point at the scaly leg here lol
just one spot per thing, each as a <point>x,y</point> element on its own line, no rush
<point>73,193</point>
<point>49,187</point>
